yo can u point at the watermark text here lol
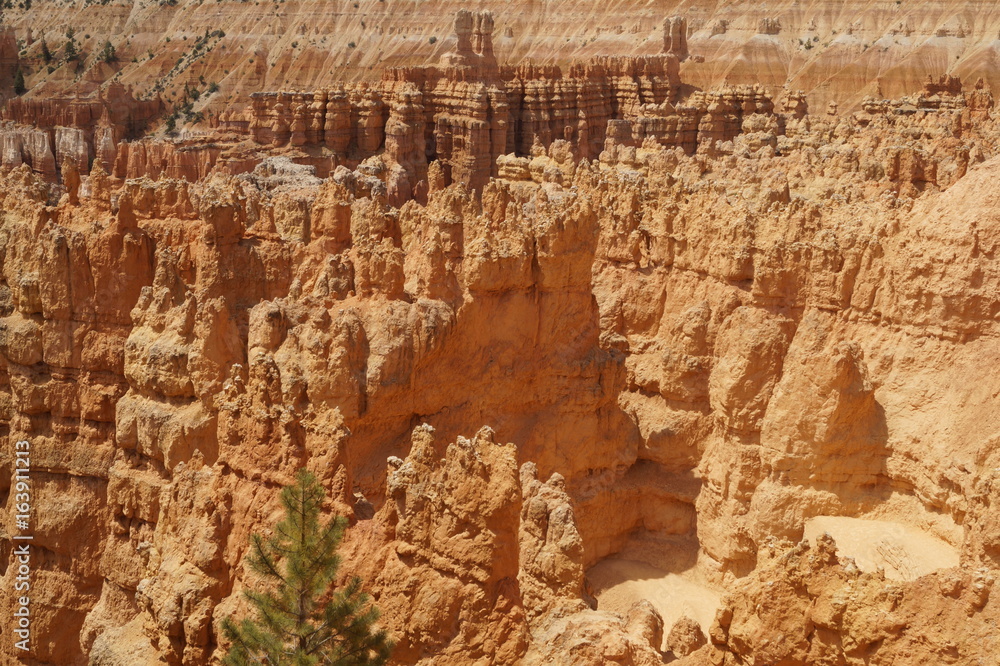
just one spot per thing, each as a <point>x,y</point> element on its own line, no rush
<point>21,484</point>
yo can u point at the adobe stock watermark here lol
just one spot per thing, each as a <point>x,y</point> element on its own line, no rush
<point>21,484</point>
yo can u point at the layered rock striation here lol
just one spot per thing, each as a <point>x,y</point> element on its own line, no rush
<point>841,54</point>
<point>46,133</point>
<point>694,322</point>
<point>716,346</point>
<point>464,112</point>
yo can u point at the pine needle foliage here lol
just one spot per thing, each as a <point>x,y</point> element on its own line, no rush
<point>302,619</point>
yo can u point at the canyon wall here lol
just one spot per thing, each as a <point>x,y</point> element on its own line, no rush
<point>834,52</point>
<point>467,111</point>
<point>527,313</point>
<point>47,133</point>
<point>709,347</point>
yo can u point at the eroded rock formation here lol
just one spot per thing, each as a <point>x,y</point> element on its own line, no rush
<point>46,134</point>
<point>467,111</point>
<point>811,607</point>
<point>694,321</point>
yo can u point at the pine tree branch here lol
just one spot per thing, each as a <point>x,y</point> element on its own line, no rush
<point>264,561</point>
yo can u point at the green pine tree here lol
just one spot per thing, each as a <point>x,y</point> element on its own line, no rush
<point>301,618</point>
<point>108,52</point>
<point>19,87</point>
<point>46,54</point>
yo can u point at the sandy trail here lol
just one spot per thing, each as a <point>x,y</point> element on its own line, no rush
<point>904,552</point>
<point>619,583</point>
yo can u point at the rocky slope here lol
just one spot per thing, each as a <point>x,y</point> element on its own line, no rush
<point>820,609</point>
<point>678,333</point>
<point>834,51</point>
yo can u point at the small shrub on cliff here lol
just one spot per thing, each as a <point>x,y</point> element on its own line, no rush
<point>108,52</point>
<point>46,54</point>
<point>301,619</point>
<point>19,87</point>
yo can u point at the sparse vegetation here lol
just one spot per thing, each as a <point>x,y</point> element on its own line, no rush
<point>108,53</point>
<point>19,87</point>
<point>433,40</point>
<point>200,48</point>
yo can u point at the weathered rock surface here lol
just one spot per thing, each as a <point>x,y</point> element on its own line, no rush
<point>698,316</point>
<point>73,128</point>
<point>809,607</point>
<point>841,54</point>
